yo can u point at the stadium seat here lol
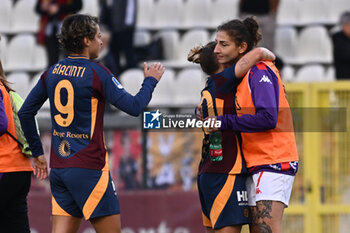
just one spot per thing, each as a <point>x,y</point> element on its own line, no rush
<point>35,79</point>
<point>163,94</point>
<point>314,11</point>
<point>90,7</point>
<point>168,14</point>
<point>24,18</point>
<point>40,58</point>
<point>196,14</point>
<point>288,74</point>
<point>3,49</point>
<point>20,82</point>
<point>335,29</point>
<point>314,45</point>
<point>330,74</point>
<point>145,10</point>
<point>44,110</point>
<point>188,86</point>
<point>212,37</point>
<point>336,9</point>
<point>131,80</point>
<point>20,53</point>
<point>190,39</point>
<point>222,11</point>
<point>5,16</point>
<point>187,42</point>
<point>311,73</point>
<point>142,38</point>
<point>286,43</point>
<point>33,82</point>
<point>288,12</point>
<point>170,40</point>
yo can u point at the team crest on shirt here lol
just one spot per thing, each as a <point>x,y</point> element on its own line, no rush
<point>64,148</point>
<point>115,81</point>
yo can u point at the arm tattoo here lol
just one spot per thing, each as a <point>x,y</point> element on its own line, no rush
<point>243,63</point>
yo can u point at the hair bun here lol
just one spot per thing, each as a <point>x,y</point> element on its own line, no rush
<point>253,27</point>
<point>194,54</point>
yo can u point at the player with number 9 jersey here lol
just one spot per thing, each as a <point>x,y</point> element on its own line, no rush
<point>78,90</point>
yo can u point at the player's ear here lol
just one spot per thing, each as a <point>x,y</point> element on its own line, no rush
<point>243,47</point>
<point>86,42</point>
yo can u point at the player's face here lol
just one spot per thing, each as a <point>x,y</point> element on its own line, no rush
<point>346,29</point>
<point>226,49</point>
<point>96,44</point>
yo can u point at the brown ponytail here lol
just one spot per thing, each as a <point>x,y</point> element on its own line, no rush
<point>253,28</point>
<point>194,54</point>
<point>204,55</point>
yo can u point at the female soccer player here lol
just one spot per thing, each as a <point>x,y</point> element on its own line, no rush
<point>268,144</point>
<point>221,184</point>
<point>78,89</point>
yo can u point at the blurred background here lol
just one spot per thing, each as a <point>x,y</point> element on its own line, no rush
<point>155,171</point>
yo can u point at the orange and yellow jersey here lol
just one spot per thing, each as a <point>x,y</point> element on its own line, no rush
<point>78,89</point>
<point>217,98</point>
<point>264,120</point>
<point>11,157</point>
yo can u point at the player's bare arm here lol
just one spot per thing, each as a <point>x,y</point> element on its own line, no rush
<point>251,58</point>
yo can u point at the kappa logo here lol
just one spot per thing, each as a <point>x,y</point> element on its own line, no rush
<point>258,191</point>
<point>265,79</point>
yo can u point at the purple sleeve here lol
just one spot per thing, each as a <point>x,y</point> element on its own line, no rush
<point>3,117</point>
<point>265,94</point>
